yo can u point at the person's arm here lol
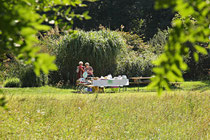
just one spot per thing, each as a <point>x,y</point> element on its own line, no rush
<point>91,70</point>
<point>83,69</point>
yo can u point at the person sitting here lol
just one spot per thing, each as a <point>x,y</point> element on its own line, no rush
<point>88,69</point>
<point>80,70</point>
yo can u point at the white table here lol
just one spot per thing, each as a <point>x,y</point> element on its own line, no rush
<point>111,82</point>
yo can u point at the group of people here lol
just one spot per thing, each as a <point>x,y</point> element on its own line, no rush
<point>81,69</point>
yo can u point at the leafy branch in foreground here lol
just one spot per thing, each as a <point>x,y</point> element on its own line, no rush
<point>20,22</point>
<point>192,26</point>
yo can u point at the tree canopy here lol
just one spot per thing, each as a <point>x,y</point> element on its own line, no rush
<point>138,16</point>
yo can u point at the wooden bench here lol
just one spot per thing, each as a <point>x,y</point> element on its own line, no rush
<point>140,80</point>
<point>208,71</point>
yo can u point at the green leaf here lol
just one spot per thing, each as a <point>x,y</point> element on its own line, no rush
<point>196,56</point>
<point>201,49</point>
<point>202,5</point>
<point>85,14</point>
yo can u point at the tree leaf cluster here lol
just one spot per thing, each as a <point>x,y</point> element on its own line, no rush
<point>21,20</point>
<point>190,25</point>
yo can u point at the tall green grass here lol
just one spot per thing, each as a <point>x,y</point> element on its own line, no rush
<point>52,113</point>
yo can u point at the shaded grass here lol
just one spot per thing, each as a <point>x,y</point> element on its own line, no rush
<point>52,113</point>
<point>197,85</point>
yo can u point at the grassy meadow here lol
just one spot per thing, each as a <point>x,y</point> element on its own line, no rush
<point>54,113</point>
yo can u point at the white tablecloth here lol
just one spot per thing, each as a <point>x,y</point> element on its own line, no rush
<point>112,82</point>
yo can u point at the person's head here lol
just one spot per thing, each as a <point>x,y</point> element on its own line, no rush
<point>80,63</point>
<point>87,64</point>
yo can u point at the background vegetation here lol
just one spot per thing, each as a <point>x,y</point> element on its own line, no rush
<point>108,52</point>
<point>24,72</point>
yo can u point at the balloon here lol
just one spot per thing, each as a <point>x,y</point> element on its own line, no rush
<point>85,74</point>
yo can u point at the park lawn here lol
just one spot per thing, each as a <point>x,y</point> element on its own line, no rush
<point>53,113</point>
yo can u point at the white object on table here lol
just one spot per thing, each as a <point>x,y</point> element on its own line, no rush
<point>111,82</point>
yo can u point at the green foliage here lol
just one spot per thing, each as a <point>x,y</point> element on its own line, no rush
<point>133,41</point>
<point>20,22</point>
<point>18,27</point>
<point>29,79</point>
<point>54,113</point>
<point>137,59</point>
<point>158,41</point>
<point>25,73</point>
<point>12,82</point>
<point>109,52</point>
<point>191,25</point>
<point>134,63</point>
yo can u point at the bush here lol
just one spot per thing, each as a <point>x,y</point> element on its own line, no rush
<point>12,82</point>
<point>25,73</point>
<point>134,42</point>
<point>137,59</point>
<point>29,79</point>
<point>134,64</point>
<point>158,41</point>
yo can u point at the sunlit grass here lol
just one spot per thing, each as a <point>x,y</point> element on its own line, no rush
<point>52,113</point>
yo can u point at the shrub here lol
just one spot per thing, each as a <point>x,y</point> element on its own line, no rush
<point>136,64</point>
<point>12,82</point>
<point>134,42</point>
<point>137,59</point>
<point>29,79</point>
<point>25,73</point>
<point>158,41</point>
